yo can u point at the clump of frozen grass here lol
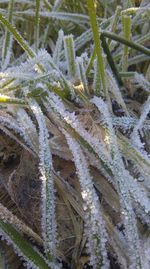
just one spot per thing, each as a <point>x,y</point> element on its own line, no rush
<point>56,89</point>
<point>94,223</point>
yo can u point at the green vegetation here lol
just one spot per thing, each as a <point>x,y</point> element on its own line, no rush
<point>74,134</point>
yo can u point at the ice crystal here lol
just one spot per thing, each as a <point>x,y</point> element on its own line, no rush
<point>71,17</point>
<point>8,217</point>
<point>123,188</point>
<point>27,126</point>
<point>113,87</point>
<point>48,196</point>
<point>97,80</point>
<point>71,119</point>
<point>29,262</point>
<point>11,124</point>
<point>124,122</point>
<point>6,61</point>
<point>141,82</point>
<point>82,73</point>
<point>94,224</point>
<point>70,56</point>
<point>138,193</point>
<point>142,216</point>
<point>58,47</point>
<point>135,136</point>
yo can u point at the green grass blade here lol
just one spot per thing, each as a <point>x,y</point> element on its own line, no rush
<point>126,23</point>
<point>77,18</point>
<point>70,56</point>
<point>48,6</point>
<point>110,60</point>
<point>115,21</point>
<point>57,5</point>
<point>7,40</point>
<point>97,79</point>
<point>82,75</point>
<point>22,246</point>
<point>126,42</point>
<point>17,36</point>
<point>96,37</point>
<point>11,100</point>
<point>91,62</point>
<point>37,24</point>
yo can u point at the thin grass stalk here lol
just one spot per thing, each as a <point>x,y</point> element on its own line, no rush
<point>126,23</point>
<point>17,36</point>
<point>115,21</point>
<point>57,4</point>
<point>9,125</point>
<point>105,8</point>
<point>9,89</point>
<point>6,83</point>
<point>82,75</point>
<point>48,194</point>
<point>4,99</point>
<point>122,40</point>
<point>127,74</point>
<point>47,5</point>
<point>70,56</point>
<point>58,47</point>
<point>97,79</point>
<point>8,217</point>
<point>77,18</point>
<point>37,24</point>
<point>90,64</point>
<point>45,36</point>
<point>140,40</point>
<point>111,60</point>
<point>22,247</point>
<point>96,37</point>
<point>138,59</point>
<point>6,51</point>
<point>94,224</point>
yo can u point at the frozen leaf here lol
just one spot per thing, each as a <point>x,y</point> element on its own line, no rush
<point>48,193</point>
